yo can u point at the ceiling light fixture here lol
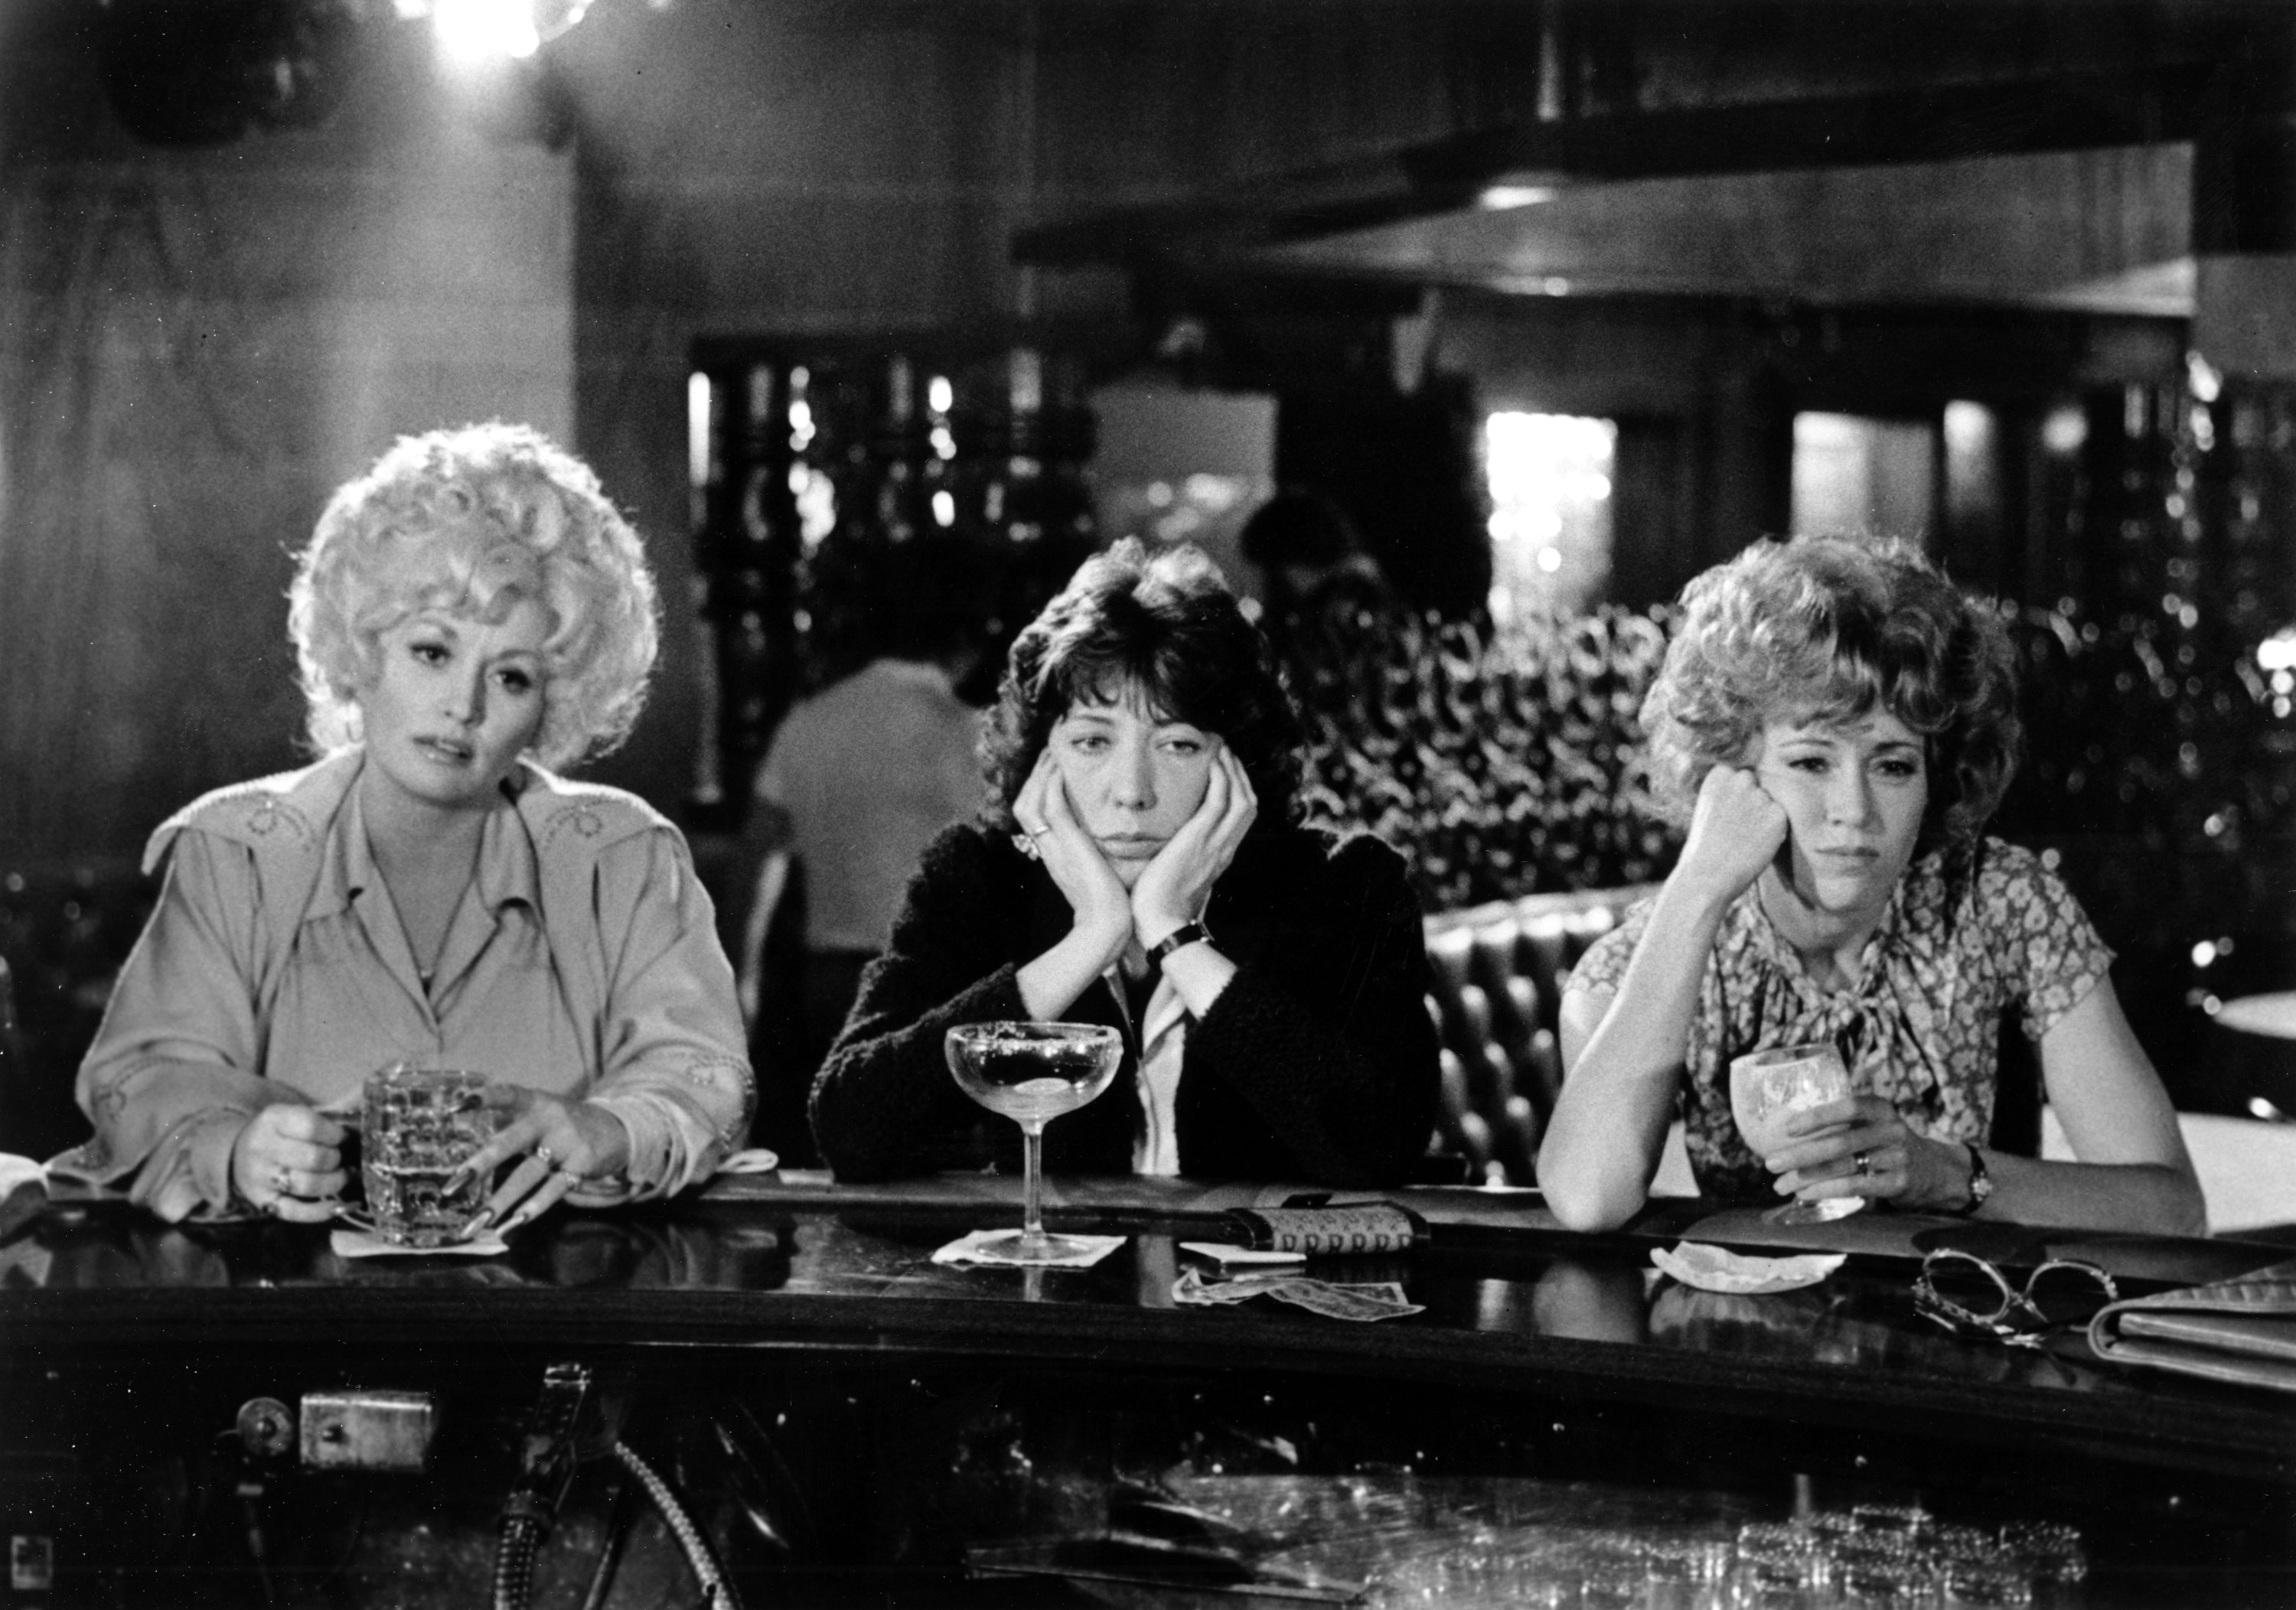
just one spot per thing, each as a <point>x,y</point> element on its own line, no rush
<point>474,32</point>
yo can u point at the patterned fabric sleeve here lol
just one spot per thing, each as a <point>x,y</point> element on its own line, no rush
<point>2052,953</point>
<point>1603,966</point>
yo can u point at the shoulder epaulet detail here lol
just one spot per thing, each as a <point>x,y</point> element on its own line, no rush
<point>288,809</point>
<point>559,813</point>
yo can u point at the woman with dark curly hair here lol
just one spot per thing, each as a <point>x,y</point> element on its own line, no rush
<point>1835,724</point>
<point>1138,865</point>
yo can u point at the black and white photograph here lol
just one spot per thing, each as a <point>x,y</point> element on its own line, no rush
<point>936,804</point>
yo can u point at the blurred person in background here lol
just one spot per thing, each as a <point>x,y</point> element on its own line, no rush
<point>860,778</point>
<point>1316,578</point>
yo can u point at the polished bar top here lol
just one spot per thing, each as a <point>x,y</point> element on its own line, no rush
<point>796,1263</point>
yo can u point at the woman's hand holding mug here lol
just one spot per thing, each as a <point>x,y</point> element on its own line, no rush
<point>563,1143</point>
<point>287,1161</point>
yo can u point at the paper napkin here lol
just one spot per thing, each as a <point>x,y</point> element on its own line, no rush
<point>1716,1269</point>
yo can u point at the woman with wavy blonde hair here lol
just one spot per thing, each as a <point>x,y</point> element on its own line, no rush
<point>1834,723</point>
<point>468,612</point>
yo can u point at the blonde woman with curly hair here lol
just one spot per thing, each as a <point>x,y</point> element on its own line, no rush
<point>1834,724</point>
<point>470,611</point>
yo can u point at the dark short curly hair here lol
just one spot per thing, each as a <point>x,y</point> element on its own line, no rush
<point>1169,625</point>
<point>1826,629</point>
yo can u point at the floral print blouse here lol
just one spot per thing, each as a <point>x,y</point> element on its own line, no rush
<point>1968,936</point>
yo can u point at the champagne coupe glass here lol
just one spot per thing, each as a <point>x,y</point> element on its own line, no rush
<point>1032,1072</point>
<point>1767,1089</point>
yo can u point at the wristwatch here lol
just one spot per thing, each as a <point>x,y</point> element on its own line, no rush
<point>1187,933</point>
<point>1980,1182</point>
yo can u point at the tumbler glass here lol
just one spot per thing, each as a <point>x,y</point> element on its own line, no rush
<point>416,1126</point>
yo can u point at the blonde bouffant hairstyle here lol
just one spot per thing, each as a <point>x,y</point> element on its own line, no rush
<point>475,521</point>
<point>1822,630</point>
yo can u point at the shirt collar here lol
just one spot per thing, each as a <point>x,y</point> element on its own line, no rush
<point>507,871</point>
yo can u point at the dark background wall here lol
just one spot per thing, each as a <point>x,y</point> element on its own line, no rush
<point>196,343</point>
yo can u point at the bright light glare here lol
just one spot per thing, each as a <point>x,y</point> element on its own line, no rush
<point>2205,380</point>
<point>1505,197</point>
<point>1968,428</point>
<point>1549,478</point>
<point>476,32</point>
<point>1217,493</point>
<point>2278,652</point>
<point>2064,431</point>
<point>698,403</point>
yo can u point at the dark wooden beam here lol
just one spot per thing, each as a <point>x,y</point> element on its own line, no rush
<point>2065,113</point>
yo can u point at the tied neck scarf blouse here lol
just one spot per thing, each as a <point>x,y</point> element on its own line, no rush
<point>1969,934</point>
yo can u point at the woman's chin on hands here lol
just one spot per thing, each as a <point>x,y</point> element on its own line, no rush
<point>1100,907</point>
<point>1177,883</point>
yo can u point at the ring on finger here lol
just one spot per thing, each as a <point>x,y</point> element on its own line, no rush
<point>1865,1162</point>
<point>545,1157</point>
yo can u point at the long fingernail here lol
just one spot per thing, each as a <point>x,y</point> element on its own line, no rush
<point>479,1223</point>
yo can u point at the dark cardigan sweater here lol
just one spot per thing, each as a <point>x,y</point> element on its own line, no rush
<point>1317,1062</point>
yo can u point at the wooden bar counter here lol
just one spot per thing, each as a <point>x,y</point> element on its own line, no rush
<point>862,1424</point>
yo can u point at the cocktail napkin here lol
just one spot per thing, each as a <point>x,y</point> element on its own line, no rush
<point>1738,1274</point>
<point>351,1243</point>
<point>966,1249</point>
<point>1225,1255</point>
<point>1372,1300</point>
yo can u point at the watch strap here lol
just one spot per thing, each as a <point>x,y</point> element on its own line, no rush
<point>1186,934</point>
<point>1980,1182</point>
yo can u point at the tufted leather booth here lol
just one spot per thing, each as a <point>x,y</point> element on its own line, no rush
<point>1498,985</point>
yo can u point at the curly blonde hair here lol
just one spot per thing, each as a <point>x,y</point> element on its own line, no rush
<point>474,520</point>
<point>1820,630</point>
